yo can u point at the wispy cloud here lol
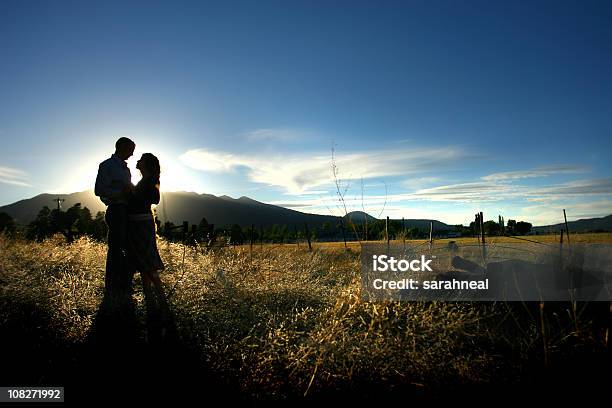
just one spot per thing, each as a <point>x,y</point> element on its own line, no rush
<point>9,175</point>
<point>420,182</point>
<point>469,192</point>
<point>205,160</point>
<point>579,188</point>
<point>290,204</point>
<point>307,181</point>
<point>298,173</point>
<point>537,172</point>
<point>276,134</point>
<point>539,204</point>
<point>308,193</point>
<point>496,191</point>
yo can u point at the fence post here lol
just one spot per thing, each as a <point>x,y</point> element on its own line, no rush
<point>185,230</point>
<point>261,237</point>
<point>430,235</point>
<point>387,233</point>
<point>252,236</point>
<point>387,237</point>
<point>561,283</point>
<point>482,234</point>
<point>566,227</point>
<point>343,234</point>
<point>561,247</point>
<point>452,246</point>
<point>404,232</point>
<point>308,237</point>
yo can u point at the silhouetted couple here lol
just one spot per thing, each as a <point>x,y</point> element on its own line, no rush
<point>132,242</point>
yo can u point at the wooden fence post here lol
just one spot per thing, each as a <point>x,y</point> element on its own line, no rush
<point>261,237</point>
<point>452,246</point>
<point>343,234</point>
<point>566,227</point>
<point>308,237</point>
<point>252,236</point>
<point>387,237</point>
<point>430,235</point>
<point>387,233</point>
<point>482,234</point>
<point>185,230</point>
<point>561,246</point>
<point>404,231</point>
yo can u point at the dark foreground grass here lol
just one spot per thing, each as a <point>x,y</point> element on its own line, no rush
<point>281,323</point>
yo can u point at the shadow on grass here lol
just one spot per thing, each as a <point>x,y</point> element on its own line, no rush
<point>115,362</point>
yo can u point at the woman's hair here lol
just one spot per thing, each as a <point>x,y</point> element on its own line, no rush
<point>152,164</point>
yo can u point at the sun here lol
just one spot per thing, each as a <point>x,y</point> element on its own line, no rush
<point>174,175</point>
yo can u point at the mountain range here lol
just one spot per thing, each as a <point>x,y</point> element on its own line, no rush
<point>244,211</point>
<point>582,225</point>
<point>192,207</point>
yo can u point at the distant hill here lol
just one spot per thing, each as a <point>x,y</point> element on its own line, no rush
<point>359,217</point>
<point>25,211</point>
<point>582,225</point>
<point>224,210</point>
<point>191,207</point>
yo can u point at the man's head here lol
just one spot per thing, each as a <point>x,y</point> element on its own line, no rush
<point>124,148</point>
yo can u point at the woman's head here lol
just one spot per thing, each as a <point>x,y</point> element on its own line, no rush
<point>149,166</point>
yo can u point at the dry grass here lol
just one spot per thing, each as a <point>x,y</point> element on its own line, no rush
<point>590,238</point>
<point>284,322</point>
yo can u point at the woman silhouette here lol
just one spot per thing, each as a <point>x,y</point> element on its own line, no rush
<point>142,245</point>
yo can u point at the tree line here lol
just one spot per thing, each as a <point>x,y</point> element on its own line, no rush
<point>78,221</point>
<point>75,222</point>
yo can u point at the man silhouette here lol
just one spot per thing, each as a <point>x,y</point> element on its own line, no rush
<point>113,185</point>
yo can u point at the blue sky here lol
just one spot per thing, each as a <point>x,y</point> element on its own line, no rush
<point>434,109</point>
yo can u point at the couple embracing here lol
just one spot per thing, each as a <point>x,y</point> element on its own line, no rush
<point>132,242</point>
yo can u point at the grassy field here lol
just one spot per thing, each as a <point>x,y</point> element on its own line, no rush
<point>590,238</point>
<point>281,323</point>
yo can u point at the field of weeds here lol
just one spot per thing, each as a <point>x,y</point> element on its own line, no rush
<point>277,323</point>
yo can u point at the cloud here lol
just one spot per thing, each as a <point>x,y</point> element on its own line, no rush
<point>308,179</point>
<point>273,134</point>
<point>201,159</point>
<point>487,191</point>
<point>544,205</point>
<point>469,192</point>
<point>13,176</point>
<point>579,188</point>
<point>299,172</point>
<point>308,193</point>
<point>420,182</point>
<point>290,204</point>
<point>537,172</point>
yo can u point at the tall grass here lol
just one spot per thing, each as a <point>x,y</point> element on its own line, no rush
<point>283,322</point>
